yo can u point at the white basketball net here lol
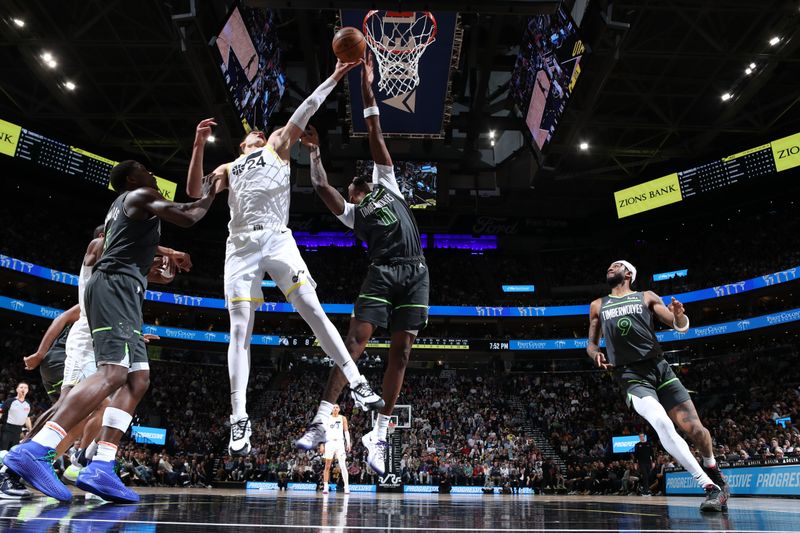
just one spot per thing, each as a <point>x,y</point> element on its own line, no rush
<point>398,41</point>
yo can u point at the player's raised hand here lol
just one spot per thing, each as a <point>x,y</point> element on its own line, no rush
<point>203,131</point>
<point>310,138</point>
<point>676,308</point>
<point>368,72</point>
<point>601,361</point>
<point>343,68</point>
<point>147,337</point>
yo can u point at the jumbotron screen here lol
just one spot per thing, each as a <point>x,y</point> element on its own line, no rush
<point>417,181</point>
<point>547,67</point>
<point>250,61</point>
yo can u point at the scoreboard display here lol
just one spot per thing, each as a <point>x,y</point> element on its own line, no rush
<point>50,153</point>
<point>760,161</point>
<point>383,343</point>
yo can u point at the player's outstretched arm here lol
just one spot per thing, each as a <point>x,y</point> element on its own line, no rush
<point>194,180</point>
<point>319,178</point>
<point>70,316</point>
<point>672,316</point>
<point>593,346</point>
<point>284,138</point>
<point>377,146</point>
<point>383,171</point>
<point>145,201</point>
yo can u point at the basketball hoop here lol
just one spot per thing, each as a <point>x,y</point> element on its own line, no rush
<point>398,39</point>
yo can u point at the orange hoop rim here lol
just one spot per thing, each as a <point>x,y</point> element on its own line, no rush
<point>375,43</point>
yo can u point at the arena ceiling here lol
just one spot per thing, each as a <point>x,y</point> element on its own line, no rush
<point>649,96</point>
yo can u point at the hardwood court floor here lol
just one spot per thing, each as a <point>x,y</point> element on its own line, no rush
<point>227,510</point>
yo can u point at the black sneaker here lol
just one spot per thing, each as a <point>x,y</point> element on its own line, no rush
<point>715,501</point>
<point>364,397</point>
<point>718,478</point>
<point>12,488</point>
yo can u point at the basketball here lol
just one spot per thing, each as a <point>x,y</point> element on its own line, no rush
<point>349,44</point>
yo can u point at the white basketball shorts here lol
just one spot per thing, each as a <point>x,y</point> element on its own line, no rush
<point>334,448</point>
<point>80,362</point>
<point>249,255</point>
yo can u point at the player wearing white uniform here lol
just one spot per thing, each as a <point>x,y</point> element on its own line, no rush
<point>337,444</point>
<point>260,243</point>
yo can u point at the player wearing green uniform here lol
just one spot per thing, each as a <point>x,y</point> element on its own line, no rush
<point>394,294</point>
<point>625,318</point>
<point>114,297</point>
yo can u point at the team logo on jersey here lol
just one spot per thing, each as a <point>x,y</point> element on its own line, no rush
<point>253,160</point>
<point>296,277</point>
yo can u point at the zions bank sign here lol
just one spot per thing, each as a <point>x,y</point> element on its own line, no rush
<point>646,196</point>
<point>757,162</point>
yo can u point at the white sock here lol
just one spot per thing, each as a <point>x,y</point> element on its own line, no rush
<point>324,411</point>
<point>654,413</point>
<point>242,316</point>
<point>309,308</point>
<point>382,426</point>
<point>710,462</point>
<point>105,452</point>
<point>91,450</point>
<point>50,435</point>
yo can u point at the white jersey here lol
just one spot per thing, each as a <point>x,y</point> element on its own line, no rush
<point>80,361</point>
<point>334,429</point>
<point>259,191</point>
<point>83,279</point>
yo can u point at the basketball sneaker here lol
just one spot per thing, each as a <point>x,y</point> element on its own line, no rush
<point>12,488</point>
<point>364,397</point>
<point>715,501</point>
<point>313,437</point>
<point>70,475</point>
<point>100,478</point>
<point>34,463</point>
<point>718,478</point>
<point>240,436</point>
<point>376,452</point>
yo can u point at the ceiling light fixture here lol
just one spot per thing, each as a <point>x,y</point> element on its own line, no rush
<point>70,86</point>
<point>752,65</point>
<point>725,97</point>
<point>491,134</point>
<point>52,63</point>
<point>19,23</point>
<point>748,71</point>
<point>775,40</point>
<point>211,139</point>
<point>584,145</point>
<point>47,56</point>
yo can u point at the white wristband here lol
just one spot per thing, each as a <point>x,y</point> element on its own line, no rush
<point>370,111</point>
<point>684,328</point>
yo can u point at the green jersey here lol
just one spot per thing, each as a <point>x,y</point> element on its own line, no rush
<point>384,221</point>
<point>627,325</point>
<point>130,244</point>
